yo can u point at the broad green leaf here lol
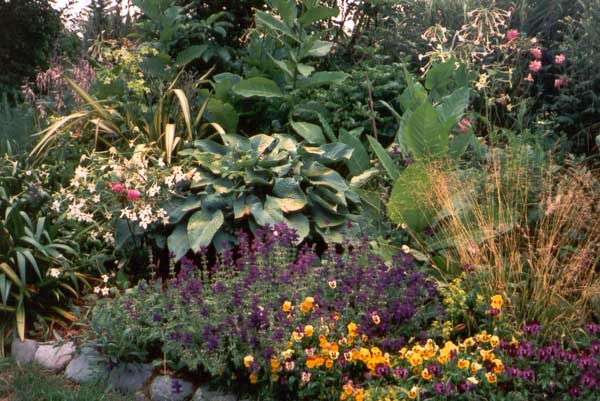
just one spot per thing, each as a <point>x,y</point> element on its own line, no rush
<point>223,114</point>
<point>424,133</point>
<point>261,142</point>
<point>324,219</point>
<point>315,14</point>
<point>321,175</point>
<point>454,105</point>
<point>459,144</point>
<point>409,201</point>
<point>275,24</point>
<point>305,70</point>
<point>257,86</point>
<point>178,242</point>
<point>330,152</point>
<point>176,208</point>
<point>312,133</point>
<point>202,227</point>
<point>412,97</point>
<point>269,213</point>
<point>439,75</point>
<point>286,205</point>
<point>283,66</point>
<point>288,10</point>
<point>242,206</point>
<point>326,128</point>
<point>322,78</point>
<point>384,158</point>
<point>363,178</point>
<point>300,223</point>
<point>319,48</point>
<point>190,54</point>
<point>290,197</point>
<point>359,162</point>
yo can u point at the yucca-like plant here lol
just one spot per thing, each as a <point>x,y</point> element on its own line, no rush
<point>102,124</point>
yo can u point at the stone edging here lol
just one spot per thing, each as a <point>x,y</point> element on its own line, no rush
<point>86,365</point>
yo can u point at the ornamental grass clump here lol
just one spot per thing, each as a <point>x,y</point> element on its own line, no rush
<point>530,234</point>
<point>255,300</point>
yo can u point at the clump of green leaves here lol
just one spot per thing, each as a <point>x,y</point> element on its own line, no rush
<point>251,182</point>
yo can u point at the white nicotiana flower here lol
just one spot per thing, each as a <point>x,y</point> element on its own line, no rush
<point>96,290</point>
<point>154,190</point>
<point>105,278</point>
<point>54,272</point>
<point>405,248</point>
<point>96,199</point>
<point>105,291</point>
<point>91,188</point>
<point>108,238</point>
<point>81,173</point>
<point>145,217</point>
<point>56,205</point>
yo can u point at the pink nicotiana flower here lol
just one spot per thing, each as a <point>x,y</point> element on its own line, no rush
<point>117,187</point>
<point>536,52</point>
<point>512,35</point>
<point>464,125</point>
<point>535,66</point>
<point>559,59</point>
<point>133,195</point>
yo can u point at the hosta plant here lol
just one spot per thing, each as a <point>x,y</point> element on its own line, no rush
<point>250,182</point>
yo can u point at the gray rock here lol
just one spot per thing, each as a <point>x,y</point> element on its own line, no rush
<point>129,377</point>
<point>205,394</point>
<point>86,367</point>
<point>55,357</point>
<point>167,388</point>
<point>23,351</point>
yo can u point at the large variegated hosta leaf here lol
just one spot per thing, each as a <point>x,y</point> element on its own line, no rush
<point>202,227</point>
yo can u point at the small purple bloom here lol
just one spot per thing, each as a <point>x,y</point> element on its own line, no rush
<point>531,328</point>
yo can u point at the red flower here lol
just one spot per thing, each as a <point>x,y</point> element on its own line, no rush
<point>117,187</point>
<point>536,52</point>
<point>535,66</point>
<point>512,35</point>
<point>133,195</point>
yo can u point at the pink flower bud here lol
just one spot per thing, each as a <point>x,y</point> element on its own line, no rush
<point>536,52</point>
<point>117,187</point>
<point>133,195</point>
<point>560,82</point>
<point>464,125</point>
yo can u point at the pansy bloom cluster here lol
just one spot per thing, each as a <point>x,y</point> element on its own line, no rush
<point>270,314</point>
